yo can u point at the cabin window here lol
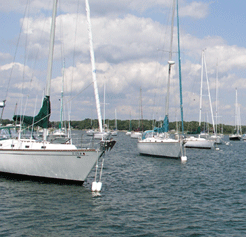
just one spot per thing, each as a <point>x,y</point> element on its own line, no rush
<point>26,146</point>
<point>43,147</point>
<point>1,144</point>
<point>12,145</point>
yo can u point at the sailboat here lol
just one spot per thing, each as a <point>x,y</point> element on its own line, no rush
<point>42,160</point>
<point>157,142</point>
<point>128,133</point>
<point>62,135</point>
<point>201,142</point>
<point>102,134</point>
<point>216,137</point>
<point>115,131</point>
<point>136,134</point>
<point>237,136</point>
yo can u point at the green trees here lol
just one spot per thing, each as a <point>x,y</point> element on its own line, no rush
<point>142,125</point>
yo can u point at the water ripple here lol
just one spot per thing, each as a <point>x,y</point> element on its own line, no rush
<point>141,196</point>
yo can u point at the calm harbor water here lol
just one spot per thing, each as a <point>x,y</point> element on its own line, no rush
<point>141,196</point>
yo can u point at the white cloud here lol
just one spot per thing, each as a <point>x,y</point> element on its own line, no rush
<point>127,58</point>
<point>195,10</point>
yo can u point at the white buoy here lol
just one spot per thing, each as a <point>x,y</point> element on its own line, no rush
<point>183,158</point>
<point>96,186</point>
<point>217,149</point>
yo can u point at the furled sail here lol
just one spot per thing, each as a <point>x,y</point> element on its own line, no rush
<point>41,119</point>
<point>165,126</point>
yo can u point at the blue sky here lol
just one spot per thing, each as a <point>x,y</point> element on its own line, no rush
<point>131,40</point>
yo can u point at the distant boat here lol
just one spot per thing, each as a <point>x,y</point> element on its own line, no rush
<point>128,133</point>
<point>158,142</point>
<point>237,136</point>
<point>90,132</point>
<point>216,137</point>
<point>136,134</point>
<point>115,131</point>
<point>102,135</point>
<point>202,141</point>
<point>198,142</point>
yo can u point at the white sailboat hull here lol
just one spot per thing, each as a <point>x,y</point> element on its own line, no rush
<point>235,137</point>
<point>136,135</point>
<point>200,143</point>
<point>102,135</point>
<point>67,163</point>
<point>114,133</point>
<point>160,147</point>
<point>216,139</point>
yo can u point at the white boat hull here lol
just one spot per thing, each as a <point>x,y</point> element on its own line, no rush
<point>72,165</point>
<point>114,133</point>
<point>102,135</point>
<point>90,133</point>
<point>235,137</point>
<point>136,135</point>
<point>163,148</point>
<point>200,143</point>
<point>216,139</point>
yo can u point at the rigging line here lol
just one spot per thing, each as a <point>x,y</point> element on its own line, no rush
<point>37,53</point>
<point>80,92</point>
<point>75,42</point>
<point>18,41</point>
<point>25,61</point>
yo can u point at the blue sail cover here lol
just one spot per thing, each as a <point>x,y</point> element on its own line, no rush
<point>165,126</point>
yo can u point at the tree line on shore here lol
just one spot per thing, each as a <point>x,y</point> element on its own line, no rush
<point>125,125</point>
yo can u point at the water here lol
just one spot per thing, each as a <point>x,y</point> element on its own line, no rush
<point>141,196</point>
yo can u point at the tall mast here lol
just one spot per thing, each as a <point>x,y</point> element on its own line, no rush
<point>180,78</point>
<point>209,97</point>
<point>200,109</point>
<point>170,62</point>
<point>51,48</point>
<point>236,115</point>
<point>61,109</point>
<point>99,116</point>
<point>50,60</point>
<point>216,105</point>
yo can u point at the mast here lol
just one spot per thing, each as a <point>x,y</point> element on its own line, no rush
<point>61,109</point>
<point>170,63</point>
<point>236,115</point>
<point>104,107</point>
<point>216,105</point>
<point>99,116</point>
<point>165,126</point>
<point>115,119</point>
<point>50,60</point>
<point>180,78</point>
<point>51,48</point>
<point>210,102</point>
<point>200,109</point>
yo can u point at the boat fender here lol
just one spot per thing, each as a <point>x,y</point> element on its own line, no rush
<point>96,186</point>
<point>183,158</point>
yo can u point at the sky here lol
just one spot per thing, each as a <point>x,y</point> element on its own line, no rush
<point>131,41</point>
